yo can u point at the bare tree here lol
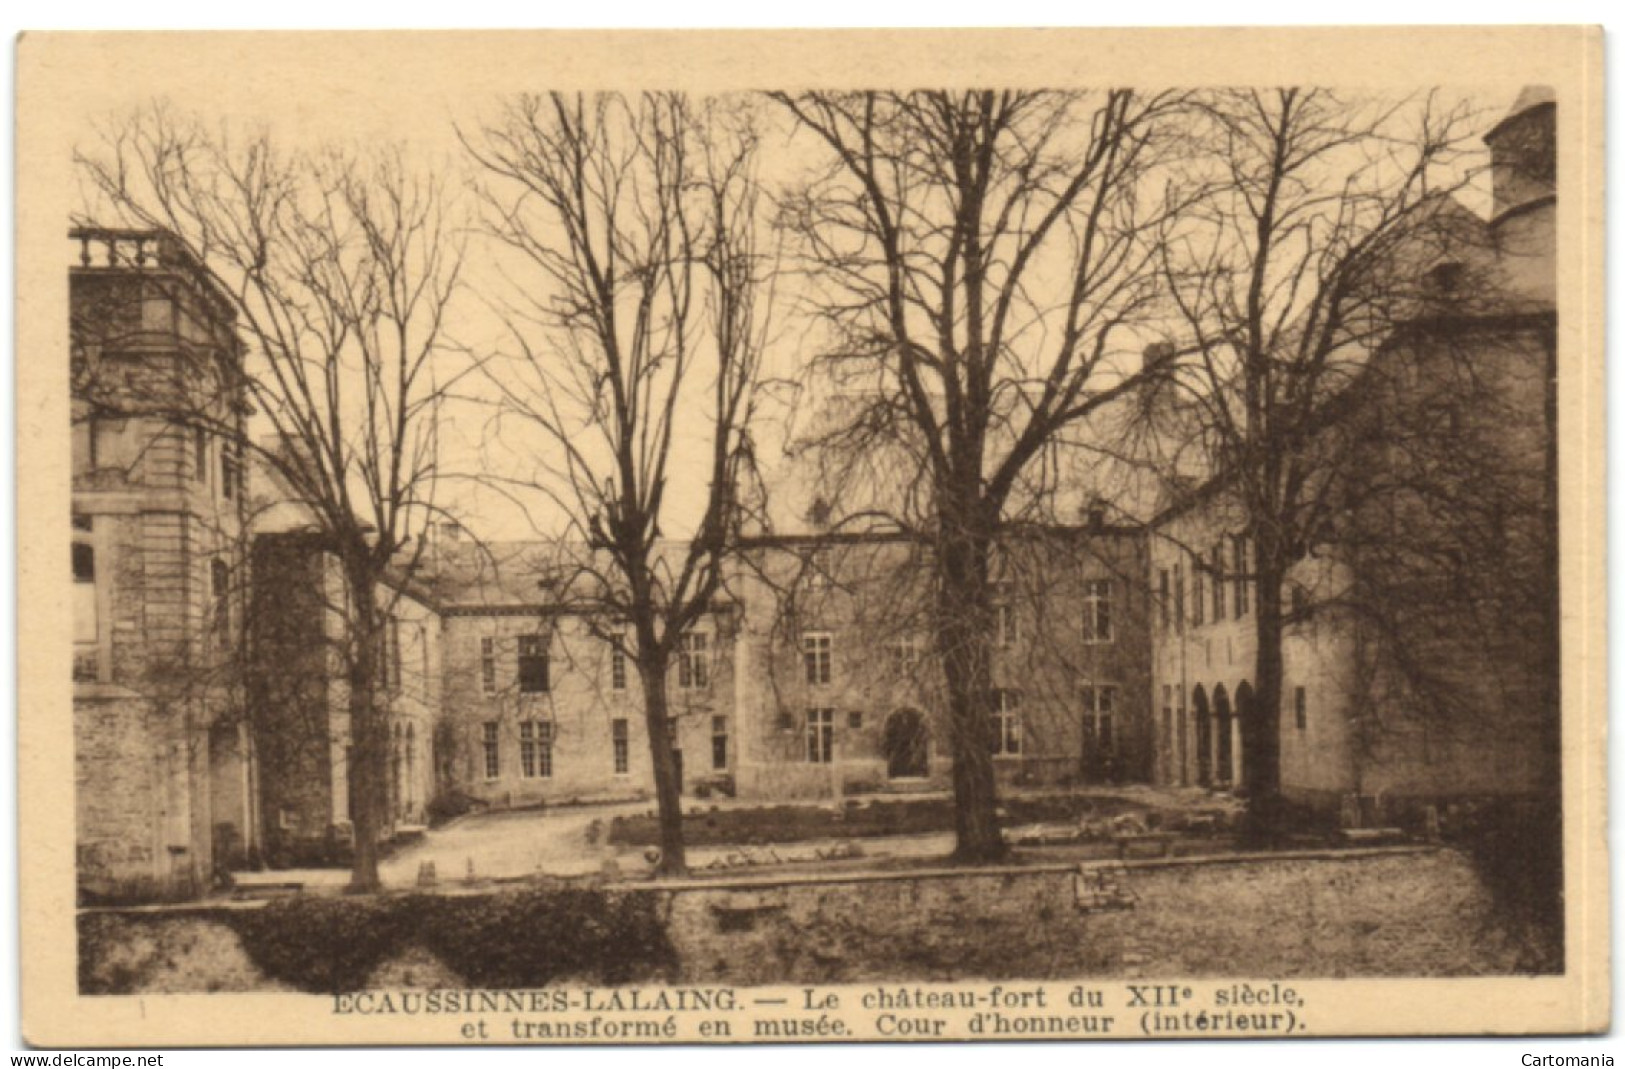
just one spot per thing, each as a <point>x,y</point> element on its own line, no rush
<point>340,268</point>
<point>640,325</point>
<point>1318,219</point>
<point>980,263</point>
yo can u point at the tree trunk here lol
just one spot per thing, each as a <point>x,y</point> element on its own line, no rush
<point>964,641</point>
<point>1262,735</point>
<point>652,667</point>
<point>369,732</point>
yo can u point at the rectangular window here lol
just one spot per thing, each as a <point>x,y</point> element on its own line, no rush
<point>1198,593</point>
<point>618,741</point>
<point>488,665</point>
<point>617,668</point>
<point>219,582</point>
<point>1168,728</point>
<point>1006,723</point>
<point>818,570</point>
<point>230,470</point>
<point>1300,707</point>
<point>693,661</point>
<point>719,743</point>
<point>1164,593</point>
<point>200,449</point>
<point>1179,596</point>
<point>1097,610</point>
<point>533,667</point>
<point>854,720</point>
<point>488,741</point>
<point>820,736</point>
<point>1004,616</point>
<point>1099,707</point>
<point>86,607</point>
<point>905,654</point>
<point>392,653</point>
<point>816,657</point>
<point>1217,557</point>
<point>1239,564</point>
<point>536,749</point>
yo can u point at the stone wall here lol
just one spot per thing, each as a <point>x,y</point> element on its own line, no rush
<point>1401,912</point>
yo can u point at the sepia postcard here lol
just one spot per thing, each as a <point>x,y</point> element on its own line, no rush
<point>755,537</point>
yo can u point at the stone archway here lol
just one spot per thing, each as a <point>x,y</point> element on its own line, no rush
<point>905,743</point>
<point>1246,710</point>
<point>1204,736</point>
<point>1224,759</point>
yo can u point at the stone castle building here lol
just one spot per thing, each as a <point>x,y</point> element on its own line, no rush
<point>164,776</point>
<point>210,725</point>
<point>1420,640</point>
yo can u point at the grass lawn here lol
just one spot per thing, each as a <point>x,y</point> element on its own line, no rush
<point>799,823</point>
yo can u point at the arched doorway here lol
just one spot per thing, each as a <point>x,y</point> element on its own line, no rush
<point>1246,709</point>
<point>1204,736</point>
<point>904,744</point>
<point>1221,725</point>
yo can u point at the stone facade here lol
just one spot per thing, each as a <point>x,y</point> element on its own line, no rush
<point>298,699</point>
<point>840,689</point>
<point>163,784</point>
<point>1420,659</point>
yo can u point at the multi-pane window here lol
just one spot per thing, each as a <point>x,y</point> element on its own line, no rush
<point>536,749</point>
<point>905,652</point>
<point>817,651</point>
<point>493,755</point>
<point>1099,707</point>
<point>533,666</point>
<point>620,745</point>
<point>820,736</point>
<point>1004,616</point>
<point>1179,596</point>
<point>1006,723</point>
<point>1300,707</point>
<point>1164,593</point>
<point>617,668</point>
<point>1238,547</point>
<point>1217,557</point>
<point>1198,593</point>
<point>719,743</point>
<point>488,665</point>
<point>1097,610</point>
<point>693,661</point>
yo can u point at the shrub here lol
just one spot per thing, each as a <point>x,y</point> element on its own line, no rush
<point>450,804</point>
<point>514,939</point>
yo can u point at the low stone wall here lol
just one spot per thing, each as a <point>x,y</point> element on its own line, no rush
<point>1356,913</point>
